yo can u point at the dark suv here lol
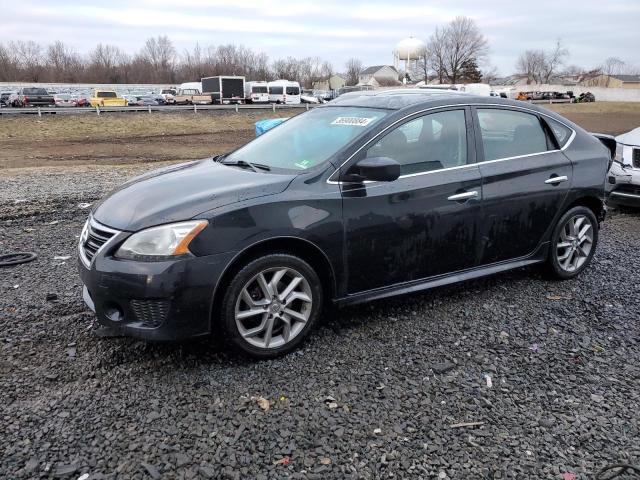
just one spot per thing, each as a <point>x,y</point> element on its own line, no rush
<point>372,195</point>
<point>32,96</point>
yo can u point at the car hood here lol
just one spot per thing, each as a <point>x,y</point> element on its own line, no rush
<point>181,192</point>
<point>630,138</point>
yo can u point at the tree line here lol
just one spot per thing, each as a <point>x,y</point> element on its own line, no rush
<point>456,52</point>
<point>156,62</point>
<point>453,54</point>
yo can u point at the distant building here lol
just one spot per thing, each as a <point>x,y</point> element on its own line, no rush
<point>612,81</point>
<point>334,82</point>
<point>379,75</point>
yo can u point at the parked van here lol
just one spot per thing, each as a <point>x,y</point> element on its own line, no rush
<point>284,91</point>
<point>256,92</point>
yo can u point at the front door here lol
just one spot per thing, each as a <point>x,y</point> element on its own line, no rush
<point>526,178</point>
<point>424,223</point>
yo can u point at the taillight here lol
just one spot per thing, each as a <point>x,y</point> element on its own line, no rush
<point>25,99</point>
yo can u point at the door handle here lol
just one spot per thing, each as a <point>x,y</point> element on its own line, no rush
<point>463,196</point>
<point>556,180</point>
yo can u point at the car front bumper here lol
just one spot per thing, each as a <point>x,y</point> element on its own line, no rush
<point>623,186</point>
<point>156,301</point>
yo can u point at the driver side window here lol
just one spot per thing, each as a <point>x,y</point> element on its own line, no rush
<point>430,142</point>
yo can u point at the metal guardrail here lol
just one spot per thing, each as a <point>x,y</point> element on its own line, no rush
<point>148,109</point>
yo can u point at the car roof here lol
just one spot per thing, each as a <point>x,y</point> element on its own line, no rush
<point>409,98</point>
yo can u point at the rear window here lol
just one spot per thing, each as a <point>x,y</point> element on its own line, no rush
<point>275,90</point>
<point>106,95</point>
<point>35,91</point>
<point>509,133</point>
<point>262,89</point>
<point>562,133</point>
<point>293,91</point>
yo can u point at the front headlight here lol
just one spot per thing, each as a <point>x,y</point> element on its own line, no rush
<point>618,157</point>
<point>160,243</point>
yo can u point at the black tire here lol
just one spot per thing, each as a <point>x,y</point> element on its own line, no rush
<point>554,265</point>
<point>243,277</point>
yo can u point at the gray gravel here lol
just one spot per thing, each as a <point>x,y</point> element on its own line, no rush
<point>513,376</point>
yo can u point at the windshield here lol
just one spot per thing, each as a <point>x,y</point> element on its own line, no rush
<point>260,89</point>
<point>308,139</point>
<point>293,91</point>
<point>106,95</point>
<point>35,91</point>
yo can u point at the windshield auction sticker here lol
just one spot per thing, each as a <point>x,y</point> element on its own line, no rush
<point>353,121</point>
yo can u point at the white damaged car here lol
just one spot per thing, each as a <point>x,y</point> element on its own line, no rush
<point>624,176</point>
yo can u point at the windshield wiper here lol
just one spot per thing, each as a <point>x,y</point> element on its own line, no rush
<point>245,164</point>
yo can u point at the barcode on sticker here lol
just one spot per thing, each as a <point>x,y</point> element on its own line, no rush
<point>354,121</point>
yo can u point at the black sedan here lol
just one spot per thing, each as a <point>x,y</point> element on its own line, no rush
<point>372,195</point>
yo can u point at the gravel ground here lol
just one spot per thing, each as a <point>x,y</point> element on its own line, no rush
<point>513,376</point>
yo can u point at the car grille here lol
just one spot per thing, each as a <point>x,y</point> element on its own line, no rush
<point>635,157</point>
<point>96,237</point>
<point>150,312</point>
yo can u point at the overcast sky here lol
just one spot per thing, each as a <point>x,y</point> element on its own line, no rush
<point>332,29</point>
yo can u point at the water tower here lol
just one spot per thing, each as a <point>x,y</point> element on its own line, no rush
<point>410,49</point>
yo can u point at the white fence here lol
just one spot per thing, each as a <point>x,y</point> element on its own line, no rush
<point>602,94</point>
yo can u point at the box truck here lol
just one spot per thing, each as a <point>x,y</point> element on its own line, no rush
<point>224,89</point>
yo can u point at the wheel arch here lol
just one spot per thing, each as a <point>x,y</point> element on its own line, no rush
<point>296,246</point>
<point>593,203</point>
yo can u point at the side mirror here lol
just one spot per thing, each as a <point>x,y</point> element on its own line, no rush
<point>378,169</point>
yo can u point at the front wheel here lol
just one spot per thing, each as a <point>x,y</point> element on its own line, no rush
<point>271,305</point>
<point>573,243</point>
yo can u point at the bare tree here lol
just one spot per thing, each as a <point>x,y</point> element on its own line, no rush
<point>540,66</point>
<point>9,69</point>
<point>353,67</point>
<point>107,63</point>
<point>463,42</point>
<point>613,66</point>
<point>160,54</point>
<point>437,48</point>
<point>156,62</point>
<point>489,74</point>
<point>30,59</point>
<point>63,63</point>
<point>554,59</point>
<point>530,64</point>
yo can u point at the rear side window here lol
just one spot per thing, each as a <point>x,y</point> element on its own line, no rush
<point>508,133</point>
<point>275,90</point>
<point>562,133</point>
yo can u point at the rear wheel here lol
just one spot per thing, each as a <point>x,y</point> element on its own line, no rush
<point>271,305</point>
<point>573,243</point>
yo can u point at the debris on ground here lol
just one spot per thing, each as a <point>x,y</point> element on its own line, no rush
<point>414,387</point>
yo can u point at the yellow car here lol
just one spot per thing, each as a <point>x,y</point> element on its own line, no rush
<point>107,98</point>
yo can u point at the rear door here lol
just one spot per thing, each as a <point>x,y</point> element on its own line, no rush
<point>424,223</point>
<point>525,179</point>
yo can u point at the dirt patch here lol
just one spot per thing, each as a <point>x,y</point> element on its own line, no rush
<point>612,118</point>
<point>114,139</point>
<point>124,138</point>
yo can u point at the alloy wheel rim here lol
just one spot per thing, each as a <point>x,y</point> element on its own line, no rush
<point>273,307</point>
<point>575,243</point>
